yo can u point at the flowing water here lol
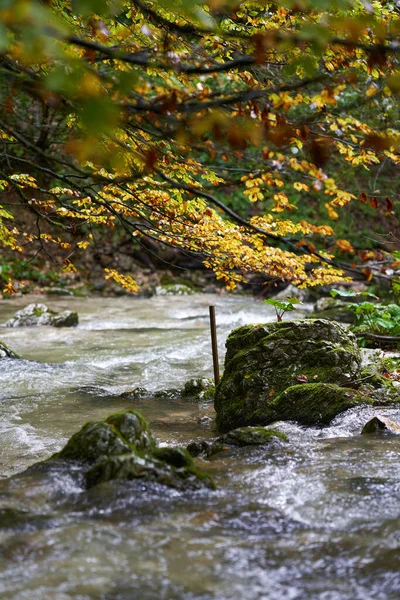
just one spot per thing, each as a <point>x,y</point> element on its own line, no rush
<point>317,518</point>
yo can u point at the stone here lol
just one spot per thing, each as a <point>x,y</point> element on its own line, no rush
<point>262,361</point>
<point>6,352</point>
<point>252,436</point>
<point>133,428</point>
<point>380,423</point>
<point>146,468</point>
<point>314,403</point>
<point>200,389</point>
<point>94,442</point>
<point>35,315</point>
<point>122,447</point>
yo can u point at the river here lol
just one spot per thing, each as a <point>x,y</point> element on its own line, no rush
<point>317,518</point>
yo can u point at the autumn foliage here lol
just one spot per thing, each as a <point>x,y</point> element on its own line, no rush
<point>142,116</point>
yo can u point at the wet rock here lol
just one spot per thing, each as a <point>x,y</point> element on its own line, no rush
<point>133,428</point>
<point>314,403</point>
<point>380,423</point>
<point>262,361</point>
<point>35,315</point>
<point>333,309</point>
<point>204,448</point>
<point>94,442</point>
<point>201,389</point>
<point>6,352</point>
<point>122,447</point>
<point>242,436</point>
<point>177,457</point>
<point>131,466</point>
<point>137,393</point>
<point>252,436</point>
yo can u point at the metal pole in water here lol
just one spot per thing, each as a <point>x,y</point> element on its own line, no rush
<point>214,344</point>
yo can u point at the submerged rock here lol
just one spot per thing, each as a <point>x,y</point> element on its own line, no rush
<point>35,315</point>
<point>380,423</point>
<point>131,466</point>
<point>242,436</point>
<point>252,436</point>
<point>6,352</point>
<point>122,447</point>
<point>262,361</point>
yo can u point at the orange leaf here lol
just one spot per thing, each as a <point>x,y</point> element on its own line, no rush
<point>373,202</point>
<point>389,205</point>
<point>367,274</point>
<point>363,197</point>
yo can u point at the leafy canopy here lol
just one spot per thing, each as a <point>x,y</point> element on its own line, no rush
<point>143,116</point>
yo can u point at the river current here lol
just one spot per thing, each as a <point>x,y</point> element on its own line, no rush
<point>315,519</point>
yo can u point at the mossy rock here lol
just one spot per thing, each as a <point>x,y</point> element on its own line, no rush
<point>314,403</point>
<point>95,441</point>
<point>132,426</point>
<point>200,389</point>
<point>383,390</point>
<point>263,360</point>
<point>204,448</point>
<point>147,468</point>
<point>122,447</point>
<point>252,436</point>
<point>177,457</point>
<point>379,423</point>
<point>6,352</point>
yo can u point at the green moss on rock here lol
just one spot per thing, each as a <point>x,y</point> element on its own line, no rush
<point>6,352</point>
<point>132,426</point>
<point>131,466</point>
<point>95,441</point>
<point>252,436</point>
<point>314,403</point>
<point>263,360</point>
<point>122,447</point>
<point>177,457</point>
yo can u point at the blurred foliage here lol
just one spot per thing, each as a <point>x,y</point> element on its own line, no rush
<point>235,131</point>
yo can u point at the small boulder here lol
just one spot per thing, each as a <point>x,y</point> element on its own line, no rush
<point>380,423</point>
<point>262,361</point>
<point>122,447</point>
<point>35,315</point>
<point>6,352</point>
<point>252,436</point>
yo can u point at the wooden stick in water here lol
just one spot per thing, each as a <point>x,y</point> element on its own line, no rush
<point>214,344</point>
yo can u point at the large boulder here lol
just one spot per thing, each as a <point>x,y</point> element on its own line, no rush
<point>122,447</point>
<point>262,361</point>
<point>6,352</point>
<point>35,315</point>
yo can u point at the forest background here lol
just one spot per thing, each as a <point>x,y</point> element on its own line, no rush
<point>257,139</point>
